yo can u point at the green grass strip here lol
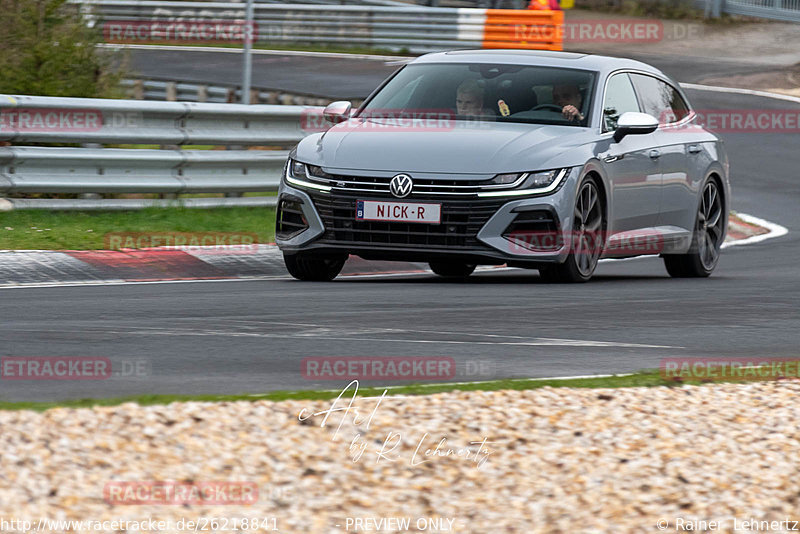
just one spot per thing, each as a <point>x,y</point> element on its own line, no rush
<point>648,378</point>
<point>85,230</point>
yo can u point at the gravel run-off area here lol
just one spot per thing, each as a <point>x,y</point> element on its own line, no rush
<point>554,460</point>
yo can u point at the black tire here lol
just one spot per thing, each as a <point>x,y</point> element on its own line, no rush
<point>707,237</point>
<point>449,269</point>
<point>313,268</point>
<point>550,274</point>
<point>676,265</point>
<point>586,241</point>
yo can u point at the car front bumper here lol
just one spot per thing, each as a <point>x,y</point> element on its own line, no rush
<point>473,230</point>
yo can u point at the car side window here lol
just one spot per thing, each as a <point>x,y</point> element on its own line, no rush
<point>660,99</point>
<point>620,98</point>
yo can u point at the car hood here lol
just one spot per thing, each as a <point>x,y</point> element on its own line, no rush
<point>462,148</point>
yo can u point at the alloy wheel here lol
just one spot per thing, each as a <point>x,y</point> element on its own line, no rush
<point>587,226</point>
<point>709,226</point>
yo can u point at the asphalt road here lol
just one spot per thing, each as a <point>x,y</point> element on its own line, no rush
<point>332,77</point>
<point>348,78</point>
<point>250,336</point>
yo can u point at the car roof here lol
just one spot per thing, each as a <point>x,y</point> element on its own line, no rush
<point>544,58</point>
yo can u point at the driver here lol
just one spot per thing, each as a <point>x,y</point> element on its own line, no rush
<point>570,100</point>
<point>469,99</point>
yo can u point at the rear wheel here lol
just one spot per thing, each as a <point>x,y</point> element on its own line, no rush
<point>706,241</point>
<point>449,269</point>
<point>313,268</point>
<point>586,238</point>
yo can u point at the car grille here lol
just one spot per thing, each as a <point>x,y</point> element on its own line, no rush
<point>461,221</point>
<point>422,186</point>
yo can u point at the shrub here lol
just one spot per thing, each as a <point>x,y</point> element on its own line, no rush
<point>47,49</point>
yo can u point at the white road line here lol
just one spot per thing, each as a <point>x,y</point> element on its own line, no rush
<point>437,332</point>
<point>257,51</point>
<point>131,282</point>
<point>533,342</point>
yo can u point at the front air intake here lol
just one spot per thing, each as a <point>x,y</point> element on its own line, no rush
<point>290,219</point>
<point>535,230</point>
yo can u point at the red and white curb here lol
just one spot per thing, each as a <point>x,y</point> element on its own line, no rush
<point>86,267</point>
<point>773,230</point>
<point>37,268</point>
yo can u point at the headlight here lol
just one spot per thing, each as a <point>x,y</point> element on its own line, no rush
<point>525,183</point>
<point>297,169</point>
<point>313,171</point>
<point>506,180</point>
<point>541,179</point>
<point>297,176</point>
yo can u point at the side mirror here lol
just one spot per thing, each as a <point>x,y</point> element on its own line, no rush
<point>337,112</point>
<point>632,122</point>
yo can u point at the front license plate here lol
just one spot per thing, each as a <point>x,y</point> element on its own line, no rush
<point>373,210</point>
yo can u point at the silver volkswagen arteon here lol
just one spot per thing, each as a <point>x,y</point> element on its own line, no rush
<point>540,160</point>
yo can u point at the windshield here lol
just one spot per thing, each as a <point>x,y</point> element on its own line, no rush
<point>488,92</point>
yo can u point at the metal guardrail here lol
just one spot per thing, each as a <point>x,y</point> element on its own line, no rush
<point>93,169</point>
<point>413,28</point>
<point>176,91</point>
<point>785,10</point>
<point>42,119</point>
<point>109,170</point>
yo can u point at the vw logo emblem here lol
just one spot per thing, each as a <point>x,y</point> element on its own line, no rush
<point>401,185</point>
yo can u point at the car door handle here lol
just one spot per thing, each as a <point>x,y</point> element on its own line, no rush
<point>694,149</point>
<point>655,154</point>
<point>611,159</point>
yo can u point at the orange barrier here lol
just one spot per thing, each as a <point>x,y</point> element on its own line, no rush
<point>524,29</point>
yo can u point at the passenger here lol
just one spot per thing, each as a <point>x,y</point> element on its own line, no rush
<point>469,100</point>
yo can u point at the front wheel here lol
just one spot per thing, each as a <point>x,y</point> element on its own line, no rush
<point>313,268</point>
<point>586,243</point>
<point>452,269</point>
<point>706,241</point>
